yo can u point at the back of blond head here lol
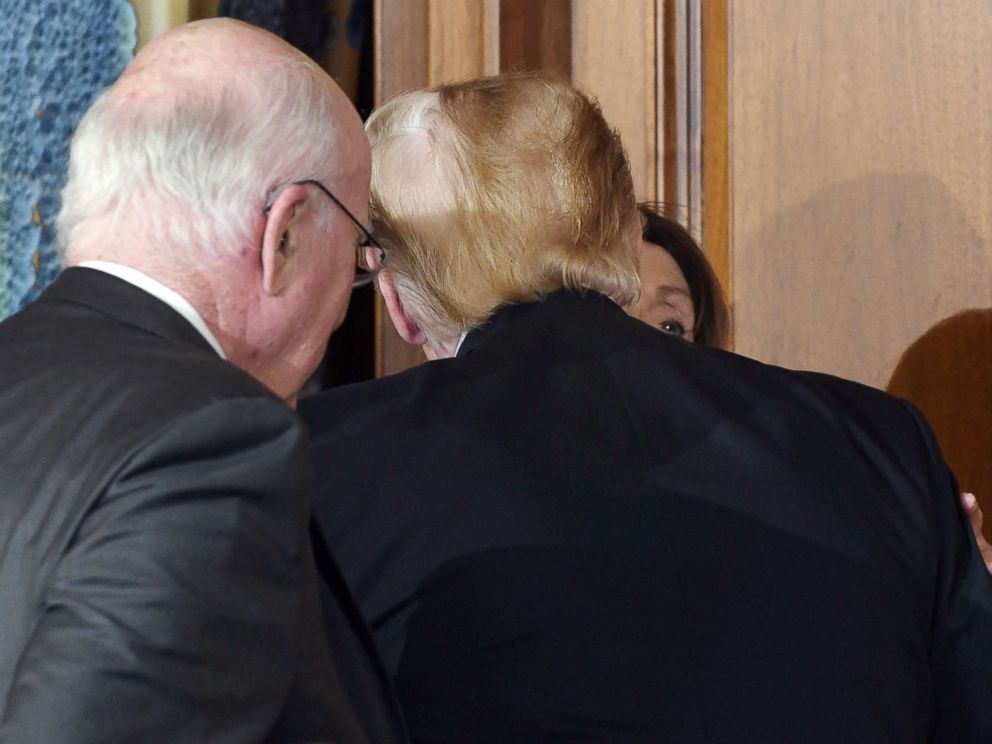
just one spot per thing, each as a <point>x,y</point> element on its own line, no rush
<point>498,190</point>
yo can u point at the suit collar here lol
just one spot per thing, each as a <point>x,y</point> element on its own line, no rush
<point>567,304</point>
<point>124,302</point>
<point>156,289</point>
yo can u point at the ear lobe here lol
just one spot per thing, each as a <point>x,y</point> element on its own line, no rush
<point>408,329</point>
<point>277,240</point>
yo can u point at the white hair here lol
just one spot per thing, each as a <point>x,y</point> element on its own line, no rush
<point>190,167</point>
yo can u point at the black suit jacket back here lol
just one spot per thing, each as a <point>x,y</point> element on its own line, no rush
<point>580,529</point>
<point>157,582</point>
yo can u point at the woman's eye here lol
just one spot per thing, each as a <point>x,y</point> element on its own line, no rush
<point>672,327</point>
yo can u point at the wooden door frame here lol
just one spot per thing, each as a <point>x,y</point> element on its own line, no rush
<point>694,105</point>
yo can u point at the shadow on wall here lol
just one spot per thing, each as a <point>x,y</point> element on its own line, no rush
<point>947,373</point>
<point>843,281</point>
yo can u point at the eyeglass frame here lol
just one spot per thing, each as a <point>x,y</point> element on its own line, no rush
<point>368,242</point>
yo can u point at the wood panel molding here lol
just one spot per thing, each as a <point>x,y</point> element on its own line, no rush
<point>536,35</point>
<point>679,113</point>
<point>400,46</point>
<point>463,39</point>
<point>615,61</point>
<point>693,89</point>
<point>714,162</point>
<point>424,43</point>
<point>400,64</point>
<point>672,80</point>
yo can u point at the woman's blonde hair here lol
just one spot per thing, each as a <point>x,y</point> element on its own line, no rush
<point>497,190</point>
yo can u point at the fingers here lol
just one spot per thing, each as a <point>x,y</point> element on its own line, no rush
<point>971,508</point>
<point>970,504</point>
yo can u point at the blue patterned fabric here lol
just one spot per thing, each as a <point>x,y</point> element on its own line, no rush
<point>5,302</point>
<point>55,55</point>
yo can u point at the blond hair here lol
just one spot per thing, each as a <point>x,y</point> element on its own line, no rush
<point>498,190</point>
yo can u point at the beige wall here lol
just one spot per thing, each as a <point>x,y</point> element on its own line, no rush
<point>156,16</point>
<point>861,172</point>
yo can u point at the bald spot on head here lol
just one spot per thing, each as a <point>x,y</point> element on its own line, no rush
<point>220,53</point>
<point>210,52</point>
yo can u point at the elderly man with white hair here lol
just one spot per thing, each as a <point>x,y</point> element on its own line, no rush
<point>157,577</point>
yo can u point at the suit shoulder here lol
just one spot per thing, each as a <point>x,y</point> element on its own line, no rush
<point>804,397</point>
<point>864,400</point>
<point>847,394</point>
<point>855,405</point>
<point>377,403</point>
<point>111,378</point>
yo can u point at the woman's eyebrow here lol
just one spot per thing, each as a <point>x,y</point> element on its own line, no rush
<point>667,290</point>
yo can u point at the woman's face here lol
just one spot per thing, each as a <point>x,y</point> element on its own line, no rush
<point>665,299</point>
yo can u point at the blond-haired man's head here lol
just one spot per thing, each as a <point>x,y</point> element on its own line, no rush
<point>497,190</point>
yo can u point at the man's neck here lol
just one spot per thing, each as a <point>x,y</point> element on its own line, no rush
<point>445,347</point>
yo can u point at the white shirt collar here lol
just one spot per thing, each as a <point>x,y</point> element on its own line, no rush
<point>461,340</point>
<point>155,288</point>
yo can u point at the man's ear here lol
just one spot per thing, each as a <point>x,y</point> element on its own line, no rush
<point>406,326</point>
<point>279,239</point>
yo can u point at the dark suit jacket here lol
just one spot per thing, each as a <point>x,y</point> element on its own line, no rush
<point>581,529</point>
<point>157,582</point>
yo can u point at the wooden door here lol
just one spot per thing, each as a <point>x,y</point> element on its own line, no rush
<point>860,158</point>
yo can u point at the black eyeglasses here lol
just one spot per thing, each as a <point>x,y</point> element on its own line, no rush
<point>365,272</point>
